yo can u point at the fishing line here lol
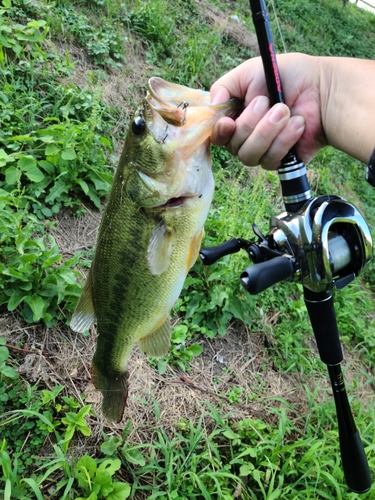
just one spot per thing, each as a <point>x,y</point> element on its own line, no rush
<point>285,51</point>
<point>279,26</point>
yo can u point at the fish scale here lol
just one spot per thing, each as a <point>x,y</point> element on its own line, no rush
<point>150,233</point>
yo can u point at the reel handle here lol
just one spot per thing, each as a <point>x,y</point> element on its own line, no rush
<point>256,278</point>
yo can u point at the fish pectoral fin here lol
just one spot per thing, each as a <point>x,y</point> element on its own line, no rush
<point>158,341</point>
<point>194,248</point>
<point>160,249</point>
<point>84,314</point>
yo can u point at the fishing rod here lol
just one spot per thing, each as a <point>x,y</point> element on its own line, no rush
<point>322,243</point>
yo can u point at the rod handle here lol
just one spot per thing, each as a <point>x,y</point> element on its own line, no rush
<point>322,315</point>
<point>354,462</point>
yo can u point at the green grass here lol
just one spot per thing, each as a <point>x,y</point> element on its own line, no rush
<point>56,147</point>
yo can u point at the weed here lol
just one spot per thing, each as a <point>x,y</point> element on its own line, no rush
<point>234,395</point>
<point>96,481</point>
<point>180,354</point>
<point>6,371</point>
<point>32,276</point>
<point>325,28</point>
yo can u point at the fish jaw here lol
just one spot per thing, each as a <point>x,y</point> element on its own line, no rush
<point>169,161</point>
<point>187,149</point>
<point>172,95</point>
<point>192,176</point>
<point>184,117</point>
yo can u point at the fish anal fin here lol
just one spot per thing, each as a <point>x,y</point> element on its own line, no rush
<point>160,249</point>
<point>114,390</point>
<point>194,248</point>
<point>158,341</point>
<point>84,314</point>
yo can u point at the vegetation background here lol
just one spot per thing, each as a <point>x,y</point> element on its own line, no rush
<point>241,406</point>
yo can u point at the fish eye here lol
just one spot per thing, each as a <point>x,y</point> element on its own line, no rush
<point>138,126</point>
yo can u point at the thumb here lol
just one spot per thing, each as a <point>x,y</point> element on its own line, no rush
<point>219,94</point>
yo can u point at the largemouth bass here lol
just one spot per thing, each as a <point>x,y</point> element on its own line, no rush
<point>150,232</point>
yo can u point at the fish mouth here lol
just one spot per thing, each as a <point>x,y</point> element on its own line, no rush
<point>175,202</point>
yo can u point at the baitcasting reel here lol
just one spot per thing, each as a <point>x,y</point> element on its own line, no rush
<point>324,246</point>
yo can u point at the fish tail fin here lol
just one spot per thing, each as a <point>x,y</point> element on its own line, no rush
<point>114,390</point>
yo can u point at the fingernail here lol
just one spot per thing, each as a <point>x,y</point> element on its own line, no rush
<point>261,105</point>
<point>296,123</point>
<point>225,129</point>
<point>278,113</point>
<point>220,96</point>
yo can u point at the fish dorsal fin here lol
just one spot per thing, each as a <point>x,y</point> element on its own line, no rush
<point>84,314</point>
<point>158,341</point>
<point>160,249</point>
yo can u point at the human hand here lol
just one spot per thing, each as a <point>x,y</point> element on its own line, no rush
<point>262,135</point>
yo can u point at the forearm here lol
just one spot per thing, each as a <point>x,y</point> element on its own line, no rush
<point>347,92</point>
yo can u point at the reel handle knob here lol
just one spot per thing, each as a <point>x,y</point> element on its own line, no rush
<point>257,278</point>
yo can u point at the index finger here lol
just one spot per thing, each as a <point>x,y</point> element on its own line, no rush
<point>245,82</point>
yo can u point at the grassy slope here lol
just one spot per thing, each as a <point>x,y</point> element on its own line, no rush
<point>293,455</point>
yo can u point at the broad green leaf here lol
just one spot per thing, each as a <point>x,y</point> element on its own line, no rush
<point>178,337</point>
<point>26,162</point>
<point>230,434</point>
<point>194,349</point>
<point>22,138</point>
<point>8,489</point>
<point>246,469</point>
<point>12,175</point>
<point>7,371</point>
<point>4,353</point>
<point>37,24</point>
<point>109,447</point>
<point>47,139</point>
<point>56,191</point>
<point>94,198</point>
<point>47,212</point>
<point>5,158</point>
<point>83,184</point>
<point>162,365</point>
<point>110,465</point>
<point>133,456</point>
<point>120,491</point>
<point>51,150</point>
<point>5,41</point>
<point>36,304</point>
<point>68,154</point>
<point>33,173</point>
<point>89,463</point>
<point>179,334</point>
<point>103,478</point>
<point>105,142</point>
<point>47,166</point>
